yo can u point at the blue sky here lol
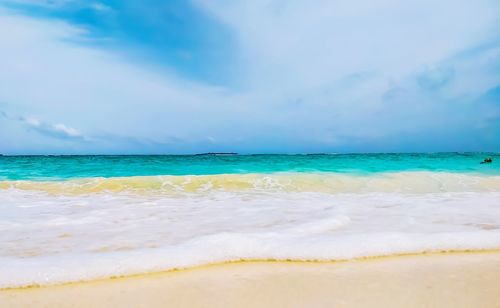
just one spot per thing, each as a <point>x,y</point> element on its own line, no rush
<point>263,76</point>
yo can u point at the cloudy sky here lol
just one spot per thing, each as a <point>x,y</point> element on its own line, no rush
<point>261,76</point>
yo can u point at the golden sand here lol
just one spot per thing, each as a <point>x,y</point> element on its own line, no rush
<point>437,280</point>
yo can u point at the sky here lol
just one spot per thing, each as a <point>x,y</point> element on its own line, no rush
<point>261,76</point>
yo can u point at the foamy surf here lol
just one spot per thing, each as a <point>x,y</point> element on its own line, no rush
<point>78,230</point>
<point>405,182</point>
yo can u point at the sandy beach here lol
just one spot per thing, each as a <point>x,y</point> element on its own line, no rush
<point>429,280</point>
<point>212,153</point>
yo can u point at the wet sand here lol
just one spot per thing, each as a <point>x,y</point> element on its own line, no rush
<point>429,280</point>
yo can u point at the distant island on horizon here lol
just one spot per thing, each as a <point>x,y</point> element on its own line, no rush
<point>217,153</point>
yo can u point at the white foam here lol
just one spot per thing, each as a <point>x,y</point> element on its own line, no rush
<point>47,239</point>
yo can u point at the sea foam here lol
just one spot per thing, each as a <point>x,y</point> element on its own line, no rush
<point>408,182</point>
<point>56,232</point>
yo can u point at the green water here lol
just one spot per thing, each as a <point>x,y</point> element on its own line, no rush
<point>64,167</point>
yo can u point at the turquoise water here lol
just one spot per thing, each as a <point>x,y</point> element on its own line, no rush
<point>78,218</point>
<point>66,167</point>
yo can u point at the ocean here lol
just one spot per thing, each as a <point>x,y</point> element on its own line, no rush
<point>77,218</point>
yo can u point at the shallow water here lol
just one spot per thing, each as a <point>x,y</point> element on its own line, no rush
<point>80,222</point>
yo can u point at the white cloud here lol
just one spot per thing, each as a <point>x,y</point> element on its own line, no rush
<point>300,46</point>
<point>340,57</point>
<point>98,6</point>
<point>101,93</point>
<point>68,131</point>
<point>58,131</point>
<point>321,74</point>
<point>31,121</point>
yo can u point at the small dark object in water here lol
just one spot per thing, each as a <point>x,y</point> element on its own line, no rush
<point>487,160</point>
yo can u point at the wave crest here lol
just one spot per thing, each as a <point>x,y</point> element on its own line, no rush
<point>405,182</point>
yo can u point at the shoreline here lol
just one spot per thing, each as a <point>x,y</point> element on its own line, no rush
<point>260,261</point>
<point>467,278</point>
